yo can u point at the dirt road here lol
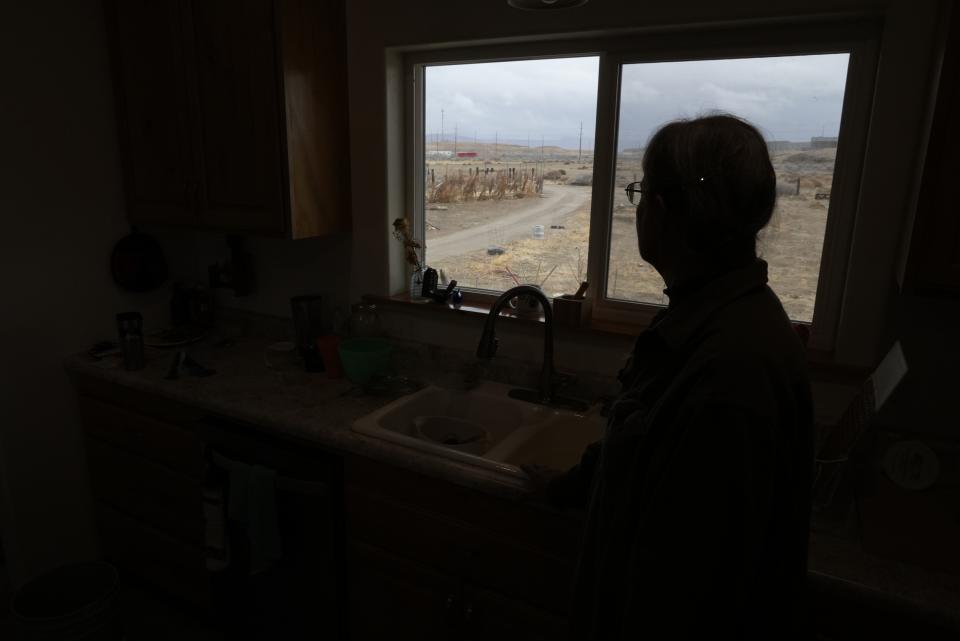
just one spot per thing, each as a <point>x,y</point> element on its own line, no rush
<point>557,201</point>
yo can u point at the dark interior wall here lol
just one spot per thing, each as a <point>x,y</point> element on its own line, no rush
<point>926,401</point>
<point>62,210</point>
<point>928,313</point>
<point>282,268</point>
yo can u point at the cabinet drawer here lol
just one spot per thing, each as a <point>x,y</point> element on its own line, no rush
<point>488,615</point>
<point>477,554</point>
<point>557,535</point>
<point>155,440</point>
<point>152,556</point>
<point>165,499</point>
<point>394,598</point>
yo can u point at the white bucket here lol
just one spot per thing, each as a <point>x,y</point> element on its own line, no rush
<point>538,232</point>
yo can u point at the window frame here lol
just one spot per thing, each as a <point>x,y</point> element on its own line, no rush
<point>859,37</point>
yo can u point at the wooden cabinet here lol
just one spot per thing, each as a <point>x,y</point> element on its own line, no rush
<point>154,97</point>
<point>146,477</point>
<point>489,615</point>
<point>446,562</point>
<point>393,597</point>
<point>396,598</point>
<point>233,114</point>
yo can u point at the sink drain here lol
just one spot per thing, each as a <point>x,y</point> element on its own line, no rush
<point>450,432</point>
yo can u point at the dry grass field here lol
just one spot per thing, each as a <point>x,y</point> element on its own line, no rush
<point>791,244</point>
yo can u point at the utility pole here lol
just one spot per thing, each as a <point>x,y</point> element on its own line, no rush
<point>540,170</point>
<point>580,144</point>
<point>454,140</point>
<point>441,128</point>
<point>496,137</point>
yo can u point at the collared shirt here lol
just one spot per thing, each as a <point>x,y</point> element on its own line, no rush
<point>699,494</point>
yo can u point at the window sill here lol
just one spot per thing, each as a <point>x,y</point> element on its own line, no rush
<point>481,308</point>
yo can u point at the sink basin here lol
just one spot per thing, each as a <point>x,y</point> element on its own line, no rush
<point>559,442</point>
<point>456,433</point>
<point>485,427</point>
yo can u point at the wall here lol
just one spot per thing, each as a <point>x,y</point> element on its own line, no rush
<point>62,208</point>
<point>926,400</point>
<point>894,149</point>
<point>282,268</point>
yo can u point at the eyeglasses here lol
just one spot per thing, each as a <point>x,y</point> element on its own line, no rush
<point>635,192</point>
<point>637,189</point>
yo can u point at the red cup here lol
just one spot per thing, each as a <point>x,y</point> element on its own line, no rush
<point>328,348</point>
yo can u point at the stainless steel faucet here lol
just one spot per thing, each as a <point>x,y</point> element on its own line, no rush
<point>488,348</point>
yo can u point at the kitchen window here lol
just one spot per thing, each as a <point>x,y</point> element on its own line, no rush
<point>519,156</point>
<point>507,177</point>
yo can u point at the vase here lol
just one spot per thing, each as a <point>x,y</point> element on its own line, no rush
<point>416,285</point>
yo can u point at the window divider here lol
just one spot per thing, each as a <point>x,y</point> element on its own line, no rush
<point>604,178</point>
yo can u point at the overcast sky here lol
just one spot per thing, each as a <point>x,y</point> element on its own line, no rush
<point>789,98</point>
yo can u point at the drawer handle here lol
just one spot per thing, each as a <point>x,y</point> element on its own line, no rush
<point>451,601</point>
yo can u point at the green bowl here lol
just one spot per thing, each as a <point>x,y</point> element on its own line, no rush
<point>364,358</point>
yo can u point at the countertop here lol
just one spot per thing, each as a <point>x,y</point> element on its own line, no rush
<point>293,404</point>
<point>314,409</point>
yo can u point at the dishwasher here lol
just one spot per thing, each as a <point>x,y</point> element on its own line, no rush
<point>299,591</point>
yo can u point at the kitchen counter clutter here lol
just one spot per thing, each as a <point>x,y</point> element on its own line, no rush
<point>307,407</point>
<point>311,410</point>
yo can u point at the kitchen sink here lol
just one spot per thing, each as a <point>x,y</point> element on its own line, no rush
<point>559,441</point>
<point>485,427</point>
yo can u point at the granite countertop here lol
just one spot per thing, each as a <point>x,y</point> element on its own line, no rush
<point>314,409</point>
<point>307,407</point>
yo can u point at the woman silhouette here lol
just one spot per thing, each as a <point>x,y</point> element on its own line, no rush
<point>698,496</point>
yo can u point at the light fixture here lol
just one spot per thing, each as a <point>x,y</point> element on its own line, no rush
<point>545,5</point>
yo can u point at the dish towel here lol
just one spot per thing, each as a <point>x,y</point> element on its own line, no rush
<point>217,545</point>
<point>253,502</point>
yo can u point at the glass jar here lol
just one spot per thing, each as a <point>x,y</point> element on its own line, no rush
<point>416,284</point>
<point>364,321</point>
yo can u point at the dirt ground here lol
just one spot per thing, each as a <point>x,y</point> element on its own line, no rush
<point>791,244</point>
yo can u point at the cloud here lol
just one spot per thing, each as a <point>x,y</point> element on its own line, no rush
<point>637,91</point>
<point>793,97</point>
<point>513,100</point>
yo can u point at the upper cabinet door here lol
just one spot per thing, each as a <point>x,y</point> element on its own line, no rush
<point>154,109</point>
<point>238,90</point>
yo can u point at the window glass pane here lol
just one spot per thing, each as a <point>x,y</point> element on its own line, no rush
<point>796,103</point>
<point>508,149</point>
